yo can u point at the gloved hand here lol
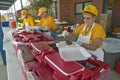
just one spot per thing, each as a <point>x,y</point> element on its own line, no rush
<point>68,36</point>
<point>65,33</point>
<point>69,39</point>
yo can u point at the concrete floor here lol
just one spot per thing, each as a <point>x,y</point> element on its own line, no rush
<point>3,71</point>
<point>113,75</point>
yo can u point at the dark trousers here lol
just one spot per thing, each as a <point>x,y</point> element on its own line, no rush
<point>3,54</point>
<point>54,34</point>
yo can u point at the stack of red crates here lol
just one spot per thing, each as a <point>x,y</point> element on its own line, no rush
<point>93,69</point>
<point>48,64</point>
<point>26,38</point>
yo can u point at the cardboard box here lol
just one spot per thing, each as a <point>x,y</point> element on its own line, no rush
<point>105,17</point>
<point>105,21</point>
<point>117,29</point>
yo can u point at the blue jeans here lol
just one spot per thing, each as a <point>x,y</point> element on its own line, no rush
<point>54,35</point>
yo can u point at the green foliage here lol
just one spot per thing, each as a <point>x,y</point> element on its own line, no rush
<point>20,20</point>
<point>36,4</point>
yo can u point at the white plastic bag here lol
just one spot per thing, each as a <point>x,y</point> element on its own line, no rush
<point>111,45</point>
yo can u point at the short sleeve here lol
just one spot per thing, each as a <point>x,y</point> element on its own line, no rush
<point>52,24</point>
<point>99,32</point>
<point>78,30</point>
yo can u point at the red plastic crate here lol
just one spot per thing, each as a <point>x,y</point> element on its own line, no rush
<point>18,39</point>
<point>100,69</point>
<point>66,68</point>
<point>41,58</point>
<point>59,76</point>
<point>30,70</point>
<point>35,53</point>
<point>118,67</point>
<point>32,65</point>
<point>30,37</point>
<point>45,72</point>
<point>23,32</point>
<point>42,48</point>
<point>31,75</point>
<point>15,35</point>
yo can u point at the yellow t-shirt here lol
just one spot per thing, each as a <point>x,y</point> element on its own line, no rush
<point>48,22</point>
<point>96,32</point>
<point>30,21</point>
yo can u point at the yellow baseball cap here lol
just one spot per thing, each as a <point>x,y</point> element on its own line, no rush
<point>91,9</point>
<point>41,10</point>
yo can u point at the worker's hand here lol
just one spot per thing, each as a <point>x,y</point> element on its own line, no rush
<point>69,39</point>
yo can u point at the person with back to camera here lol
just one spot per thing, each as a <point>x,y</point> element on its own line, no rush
<point>47,21</point>
<point>91,34</point>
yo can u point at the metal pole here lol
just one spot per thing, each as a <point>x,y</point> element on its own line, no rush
<point>12,12</point>
<point>15,10</point>
<point>8,13</point>
<point>21,4</point>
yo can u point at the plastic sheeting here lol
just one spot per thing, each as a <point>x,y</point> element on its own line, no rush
<point>7,34</point>
<point>111,45</point>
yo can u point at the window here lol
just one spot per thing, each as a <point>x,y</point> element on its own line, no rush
<point>79,7</point>
<point>54,9</point>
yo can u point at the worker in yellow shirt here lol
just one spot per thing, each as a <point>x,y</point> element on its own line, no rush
<point>3,19</point>
<point>91,34</point>
<point>47,21</point>
<point>28,20</point>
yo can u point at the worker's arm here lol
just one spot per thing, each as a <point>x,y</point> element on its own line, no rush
<point>52,24</point>
<point>32,21</point>
<point>96,44</point>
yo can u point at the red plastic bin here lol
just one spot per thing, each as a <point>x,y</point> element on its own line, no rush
<point>66,68</point>
<point>100,69</point>
<point>118,67</point>
<point>42,48</point>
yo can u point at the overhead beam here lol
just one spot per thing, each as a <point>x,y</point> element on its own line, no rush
<point>5,4</point>
<point>7,0</point>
